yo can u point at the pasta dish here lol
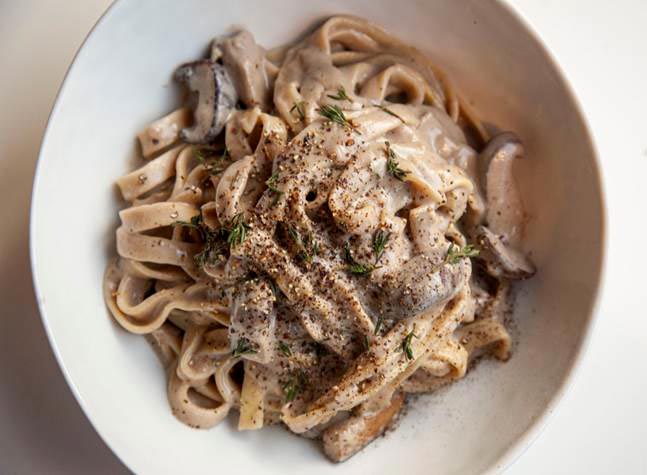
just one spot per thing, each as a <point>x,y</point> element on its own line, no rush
<point>321,230</point>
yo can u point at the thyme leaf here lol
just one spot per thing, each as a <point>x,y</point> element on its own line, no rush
<point>336,115</point>
<point>298,107</point>
<point>271,183</point>
<point>379,243</point>
<point>237,230</point>
<point>296,384</point>
<point>341,95</point>
<point>367,343</point>
<point>406,346</point>
<point>355,267</point>
<point>455,253</point>
<point>214,242</point>
<point>378,325</point>
<point>211,163</point>
<point>392,166</point>
<point>308,247</point>
<point>285,349</point>
<point>242,348</point>
<point>390,112</point>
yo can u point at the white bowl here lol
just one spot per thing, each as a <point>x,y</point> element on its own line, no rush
<point>121,80</point>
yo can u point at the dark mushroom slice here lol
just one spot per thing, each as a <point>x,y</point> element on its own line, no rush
<point>216,99</point>
<point>422,284</point>
<point>504,214</point>
<point>345,439</point>
<point>245,61</point>
<point>501,260</point>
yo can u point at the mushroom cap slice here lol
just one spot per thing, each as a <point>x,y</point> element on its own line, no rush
<point>421,284</point>
<point>500,259</point>
<point>504,215</point>
<point>216,99</point>
<point>348,437</point>
<point>245,61</point>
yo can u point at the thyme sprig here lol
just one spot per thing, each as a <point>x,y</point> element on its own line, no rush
<point>298,107</point>
<point>271,183</point>
<point>212,163</point>
<point>308,247</point>
<point>406,345</point>
<point>237,229</point>
<point>355,267</point>
<point>336,115</point>
<point>390,112</point>
<point>378,325</point>
<point>285,349</point>
<point>196,223</point>
<point>455,253</point>
<point>392,166</point>
<point>296,384</point>
<point>242,348</point>
<point>341,95</point>
<point>380,240</point>
<point>214,241</point>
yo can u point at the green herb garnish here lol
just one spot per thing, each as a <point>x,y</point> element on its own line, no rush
<point>295,385</point>
<point>336,115</point>
<point>211,163</point>
<point>195,223</point>
<point>294,234</point>
<point>378,324</point>
<point>275,289</point>
<point>242,348</point>
<point>271,183</point>
<point>455,253</point>
<point>298,108</point>
<point>285,349</point>
<point>214,242</point>
<point>392,166</point>
<point>211,253</point>
<point>355,267</point>
<point>237,230</point>
<point>367,344</point>
<point>390,112</point>
<point>314,248</point>
<point>379,243</point>
<point>406,345</point>
<point>361,269</point>
<point>308,247</point>
<point>290,389</point>
<point>341,95</point>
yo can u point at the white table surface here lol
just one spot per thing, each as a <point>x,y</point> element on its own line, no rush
<point>600,426</point>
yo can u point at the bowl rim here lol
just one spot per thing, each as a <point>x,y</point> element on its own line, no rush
<point>515,450</point>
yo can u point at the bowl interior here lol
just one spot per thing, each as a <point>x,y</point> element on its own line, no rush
<point>121,80</point>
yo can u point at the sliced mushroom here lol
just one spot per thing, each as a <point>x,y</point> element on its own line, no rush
<point>422,284</point>
<point>500,259</point>
<point>245,61</point>
<point>216,99</point>
<point>345,439</point>
<point>504,215</point>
